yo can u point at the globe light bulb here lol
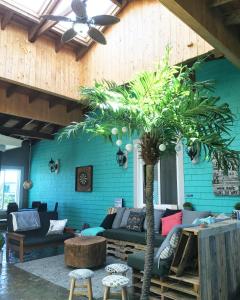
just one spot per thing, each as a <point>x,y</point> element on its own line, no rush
<point>178,147</point>
<point>124,129</point>
<point>162,147</point>
<point>119,143</point>
<point>129,147</point>
<point>114,131</point>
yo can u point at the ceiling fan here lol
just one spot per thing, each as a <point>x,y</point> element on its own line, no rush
<point>79,7</point>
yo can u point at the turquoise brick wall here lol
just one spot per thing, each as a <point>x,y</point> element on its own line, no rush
<point>198,178</point>
<point>111,181</point>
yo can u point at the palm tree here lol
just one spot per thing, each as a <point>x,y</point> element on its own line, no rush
<point>163,108</point>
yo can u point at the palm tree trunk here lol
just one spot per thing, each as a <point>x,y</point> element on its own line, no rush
<point>149,254</point>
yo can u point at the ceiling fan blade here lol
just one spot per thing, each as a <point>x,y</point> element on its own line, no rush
<point>79,7</point>
<point>96,35</point>
<point>103,20</point>
<point>56,18</point>
<point>68,35</point>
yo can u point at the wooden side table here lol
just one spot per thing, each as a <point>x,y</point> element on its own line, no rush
<point>85,252</point>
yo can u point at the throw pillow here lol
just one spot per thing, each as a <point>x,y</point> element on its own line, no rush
<point>135,221</point>
<point>170,244</point>
<point>118,218</point>
<point>167,212</point>
<point>57,226</point>
<point>158,214</point>
<point>190,216</point>
<point>169,222</point>
<point>108,221</point>
<point>126,216</point>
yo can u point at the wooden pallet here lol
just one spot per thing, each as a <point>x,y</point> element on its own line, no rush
<point>172,287</point>
<point>122,249</point>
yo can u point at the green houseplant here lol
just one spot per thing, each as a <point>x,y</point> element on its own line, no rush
<point>165,109</point>
<point>188,206</point>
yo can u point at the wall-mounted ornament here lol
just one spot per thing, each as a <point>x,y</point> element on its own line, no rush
<point>54,166</point>
<point>83,181</point>
<point>225,184</point>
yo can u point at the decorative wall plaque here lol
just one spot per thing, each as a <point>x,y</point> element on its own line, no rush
<point>225,184</point>
<point>84,179</point>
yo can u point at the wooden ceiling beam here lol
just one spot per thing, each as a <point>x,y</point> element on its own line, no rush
<point>32,97</point>
<point>58,45</point>
<point>26,133</point>
<point>233,18</point>
<point>81,51</point>
<point>53,102</point>
<point>44,26</point>
<point>32,35</point>
<point>216,3</point>
<point>12,89</point>
<point>204,21</point>
<point>72,106</point>
<point>6,19</point>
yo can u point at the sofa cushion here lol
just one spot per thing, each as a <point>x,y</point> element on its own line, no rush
<point>136,261</point>
<point>123,234</point>
<point>135,221</point>
<point>56,226</point>
<point>158,213</point>
<point>189,216</point>
<point>169,222</point>
<point>118,217</point>
<point>126,215</point>
<point>108,221</point>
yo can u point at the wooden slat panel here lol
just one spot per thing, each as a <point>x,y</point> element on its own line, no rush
<point>37,65</point>
<point>138,42</point>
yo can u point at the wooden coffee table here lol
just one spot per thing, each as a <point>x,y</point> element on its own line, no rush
<point>85,251</point>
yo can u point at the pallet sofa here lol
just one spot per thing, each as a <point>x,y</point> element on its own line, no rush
<point>29,240</point>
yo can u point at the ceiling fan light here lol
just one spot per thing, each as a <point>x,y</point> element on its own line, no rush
<point>80,27</point>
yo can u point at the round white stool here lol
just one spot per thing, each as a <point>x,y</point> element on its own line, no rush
<point>84,275</point>
<point>115,281</point>
<point>120,269</point>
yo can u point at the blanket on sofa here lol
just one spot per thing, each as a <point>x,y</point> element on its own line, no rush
<point>25,220</point>
<point>92,231</point>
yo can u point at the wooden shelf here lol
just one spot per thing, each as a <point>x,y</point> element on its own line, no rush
<point>186,278</point>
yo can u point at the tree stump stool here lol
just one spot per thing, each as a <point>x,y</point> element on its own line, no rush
<point>84,275</point>
<point>85,251</point>
<point>115,281</point>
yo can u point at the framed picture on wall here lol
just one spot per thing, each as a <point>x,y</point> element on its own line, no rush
<point>83,181</point>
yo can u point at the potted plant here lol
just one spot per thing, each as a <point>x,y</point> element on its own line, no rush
<point>165,109</point>
<point>236,211</point>
<point>188,206</point>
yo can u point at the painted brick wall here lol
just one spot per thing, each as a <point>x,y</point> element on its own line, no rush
<point>198,178</point>
<point>111,181</point>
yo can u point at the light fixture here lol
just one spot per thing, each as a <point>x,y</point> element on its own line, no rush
<point>121,158</point>
<point>193,153</point>
<point>53,166</point>
<point>27,184</point>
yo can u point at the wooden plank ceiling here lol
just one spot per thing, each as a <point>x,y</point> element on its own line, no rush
<point>217,21</point>
<point>37,26</point>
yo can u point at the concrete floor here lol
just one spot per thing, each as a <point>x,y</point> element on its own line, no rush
<point>16,284</point>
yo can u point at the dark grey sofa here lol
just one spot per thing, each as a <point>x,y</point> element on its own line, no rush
<point>28,240</point>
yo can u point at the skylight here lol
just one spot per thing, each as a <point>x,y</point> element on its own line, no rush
<point>36,8</point>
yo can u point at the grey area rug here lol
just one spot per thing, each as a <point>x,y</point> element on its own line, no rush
<point>54,270</point>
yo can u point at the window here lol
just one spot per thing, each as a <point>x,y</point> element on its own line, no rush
<point>168,181</point>
<point>9,187</point>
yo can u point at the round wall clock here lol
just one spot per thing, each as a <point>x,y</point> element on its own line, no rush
<point>84,179</point>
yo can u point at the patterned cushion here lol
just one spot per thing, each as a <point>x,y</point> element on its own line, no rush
<point>116,268</point>
<point>115,281</point>
<point>135,221</point>
<point>81,274</point>
<point>57,226</point>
